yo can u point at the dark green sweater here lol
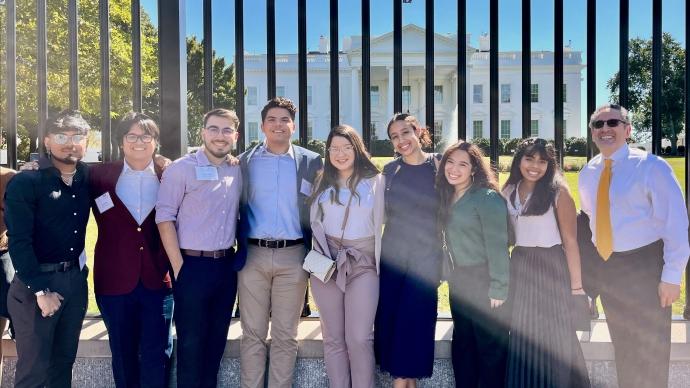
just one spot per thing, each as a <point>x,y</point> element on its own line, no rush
<point>478,233</point>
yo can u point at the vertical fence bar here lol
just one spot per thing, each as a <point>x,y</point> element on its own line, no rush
<point>656,77</point>
<point>526,69</point>
<point>239,71</point>
<point>334,57</point>
<point>623,96</point>
<point>173,77</point>
<point>397,55</point>
<point>271,48</point>
<point>493,81</point>
<point>104,30</point>
<point>41,73</point>
<point>461,90</point>
<point>366,72</point>
<point>302,70</point>
<point>558,79</point>
<point>208,57</point>
<point>136,56</point>
<point>591,69</point>
<point>686,311</point>
<point>429,71</point>
<point>73,37</point>
<point>11,119</point>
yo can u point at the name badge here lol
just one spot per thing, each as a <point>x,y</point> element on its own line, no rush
<point>104,202</point>
<point>306,187</point>
<point>206,173</point>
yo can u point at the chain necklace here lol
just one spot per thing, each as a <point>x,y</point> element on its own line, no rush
<point>67,178</point>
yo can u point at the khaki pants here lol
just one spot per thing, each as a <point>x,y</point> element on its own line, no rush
<point>271,286</point>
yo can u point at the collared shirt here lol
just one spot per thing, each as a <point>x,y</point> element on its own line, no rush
<point>46,220</point>
<point>273,211</point>
<point>646,205</point>
<point>203,204</point>
<point>138,190</point>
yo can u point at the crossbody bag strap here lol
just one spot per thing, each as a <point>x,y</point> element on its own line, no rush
<point>344,224</point>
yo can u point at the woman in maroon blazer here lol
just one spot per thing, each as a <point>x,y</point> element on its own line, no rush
<point>131,278</point>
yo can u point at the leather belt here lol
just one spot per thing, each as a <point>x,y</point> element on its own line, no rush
<point>62,266</point>
<point>275,244</point>
<point>210,254</point>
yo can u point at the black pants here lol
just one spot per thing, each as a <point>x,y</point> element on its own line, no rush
<point>139,333</point>
<point>640,329</point>
<point>47,347</point>
<point>480,333</point>
<point>204,293</point>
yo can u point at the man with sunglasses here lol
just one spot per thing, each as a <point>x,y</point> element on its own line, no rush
<point>639,226</point>
<point>46,212</point>
<point>197,213</point>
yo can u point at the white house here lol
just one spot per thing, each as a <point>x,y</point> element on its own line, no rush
<point>445,81</point>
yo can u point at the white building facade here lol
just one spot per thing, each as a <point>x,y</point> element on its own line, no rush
<point>413,90</point>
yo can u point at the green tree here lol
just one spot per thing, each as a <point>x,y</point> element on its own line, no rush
<point>223,87</point>
<point>640,87</point>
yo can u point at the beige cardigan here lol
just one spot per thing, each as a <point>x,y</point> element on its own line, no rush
<point>319,235</point>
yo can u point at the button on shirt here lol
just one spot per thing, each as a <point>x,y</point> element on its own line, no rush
<point>138,190</point>
<point>646,205</point>
<point>46,220</point>
<point>273,211</point>
<point>204,211</point>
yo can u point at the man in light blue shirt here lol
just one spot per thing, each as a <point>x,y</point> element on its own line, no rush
<point>273,238</point>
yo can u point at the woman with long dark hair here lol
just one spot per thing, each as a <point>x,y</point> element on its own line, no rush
<point>346,218</point>
<point>473,219</point>
<point>410,270</point>
<point>543,349</point>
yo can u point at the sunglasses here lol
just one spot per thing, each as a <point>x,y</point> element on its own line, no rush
<point>611,123</point>
<point>61,138</point>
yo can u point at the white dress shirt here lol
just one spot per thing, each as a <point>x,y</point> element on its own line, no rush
<point>646,205</point>
<point>360,222</point>
<point>138,190</point>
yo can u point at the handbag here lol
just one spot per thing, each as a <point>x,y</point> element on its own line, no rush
<point>320,265</point>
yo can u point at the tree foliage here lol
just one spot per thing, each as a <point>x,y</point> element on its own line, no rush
<point>640,87</point>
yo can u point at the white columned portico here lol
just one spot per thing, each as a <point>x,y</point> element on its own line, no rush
<point>391,77</point>
<point>355,104</point>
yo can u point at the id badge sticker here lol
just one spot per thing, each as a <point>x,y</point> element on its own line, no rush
<point>306,187</point>
<point>104,202</point>
<point>206,173</point>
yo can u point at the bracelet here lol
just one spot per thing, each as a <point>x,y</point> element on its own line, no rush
<point>576,289</point>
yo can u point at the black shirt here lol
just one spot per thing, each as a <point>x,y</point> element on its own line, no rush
<point>46,220</point>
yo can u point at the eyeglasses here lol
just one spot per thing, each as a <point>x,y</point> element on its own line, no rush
<point>215,131</point>
<point>347,148</point>
<point>61,138</point>
<point>132,138</point>
<point>611,123</point>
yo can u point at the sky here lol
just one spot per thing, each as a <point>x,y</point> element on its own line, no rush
<point>445,20</point>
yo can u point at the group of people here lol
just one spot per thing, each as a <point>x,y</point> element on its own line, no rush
<point>209,227</point>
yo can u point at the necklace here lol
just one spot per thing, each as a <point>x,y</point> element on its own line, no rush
<point>67,178</point>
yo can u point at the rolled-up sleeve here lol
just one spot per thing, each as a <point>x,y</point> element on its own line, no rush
<point>170,193</point>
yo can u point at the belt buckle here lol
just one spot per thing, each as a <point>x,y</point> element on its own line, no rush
<point>284,243</point>
<point>217,254</point>
<point>63,266</point>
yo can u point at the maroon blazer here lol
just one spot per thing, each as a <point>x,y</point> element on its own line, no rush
<point>126,252</point>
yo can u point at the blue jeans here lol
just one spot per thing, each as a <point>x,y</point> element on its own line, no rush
<point>140,333</point>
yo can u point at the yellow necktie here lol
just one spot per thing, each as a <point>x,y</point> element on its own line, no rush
<point>604,232</point>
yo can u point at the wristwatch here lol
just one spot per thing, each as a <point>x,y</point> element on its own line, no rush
<point>42,292</point>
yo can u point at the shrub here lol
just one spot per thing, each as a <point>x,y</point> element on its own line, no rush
<point>576,146</point>
<point>381,147</point>
<point>680,150</point>
<point>511,145</point>
<point>482,143</point>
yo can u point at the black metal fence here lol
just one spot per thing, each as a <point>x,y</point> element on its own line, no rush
<point>172,69</point>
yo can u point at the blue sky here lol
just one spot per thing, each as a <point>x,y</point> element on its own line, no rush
<point>445,19</point>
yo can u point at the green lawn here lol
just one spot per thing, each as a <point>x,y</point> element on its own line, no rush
<point>678,165</point>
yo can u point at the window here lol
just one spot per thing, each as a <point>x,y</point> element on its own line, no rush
<point>280,91</point>
<point>374,93</point>
<point>438,130</point>
<point>309,98</point>
<point>534,93</point>
<point>372,128</point>
<point>534,128</point>
<point>565,95</point>
<point>505,93</point>
<point>477,94</point>
<point>310,129</point>
<point>478,129</point>
<point>438,94</point>
<point>252,131</point>
<point>251,95</point>
<point>406,96</point>
<point>505,129</point>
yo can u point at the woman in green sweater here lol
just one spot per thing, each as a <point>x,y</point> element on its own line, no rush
<point>473,217</point>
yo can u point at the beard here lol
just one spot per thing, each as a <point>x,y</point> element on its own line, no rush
<point>68,159</point>
<point>218,154</point>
